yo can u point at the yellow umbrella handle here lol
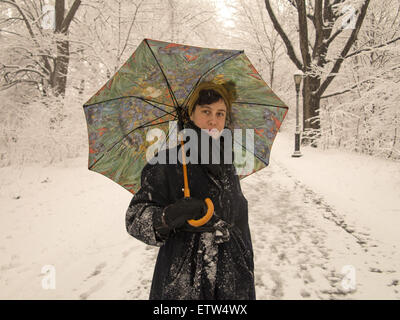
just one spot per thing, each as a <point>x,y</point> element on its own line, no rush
<point>186,192</point>
<point>206,218</point>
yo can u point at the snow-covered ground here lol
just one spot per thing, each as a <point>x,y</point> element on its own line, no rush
<point>324,226</point>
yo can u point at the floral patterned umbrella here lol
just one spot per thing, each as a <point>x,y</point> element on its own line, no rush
<point>151,89</point>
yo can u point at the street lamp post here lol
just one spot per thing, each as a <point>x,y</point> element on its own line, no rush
<point>298,76</point>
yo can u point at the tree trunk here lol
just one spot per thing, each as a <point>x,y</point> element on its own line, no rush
<point>272,73</point>
<point>61,67</point>
<point>311,105</point>
<point>62,23</point>
<point>323,18</point>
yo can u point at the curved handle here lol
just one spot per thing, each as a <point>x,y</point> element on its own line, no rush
<point>206,217</point>
<point>210,206</point>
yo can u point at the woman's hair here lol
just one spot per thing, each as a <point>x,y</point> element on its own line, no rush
<point>207,96</point>
<point>209,92</point>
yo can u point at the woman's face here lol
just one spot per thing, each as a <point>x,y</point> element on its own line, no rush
<point>210,117</point>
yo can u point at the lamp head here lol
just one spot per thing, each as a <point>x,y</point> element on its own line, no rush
<point>298,76</point>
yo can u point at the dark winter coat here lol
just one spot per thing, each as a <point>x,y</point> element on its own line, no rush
<point>214,261</point>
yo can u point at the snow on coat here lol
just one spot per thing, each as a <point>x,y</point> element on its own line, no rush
<point>214,261</point>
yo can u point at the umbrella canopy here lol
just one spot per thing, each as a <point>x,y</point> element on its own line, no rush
<point>152,89</point>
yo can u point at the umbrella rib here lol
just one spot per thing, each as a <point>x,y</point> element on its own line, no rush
<point>140,98</point>
<point>208,71</point>
<point>156,124</point>
<point>166,112</point>
<point>145,125</point>
<point>148,124</point>
<point>263,161</point>
<point>165,77</point>
<point>166,139</point>
<point>167,135</point>
<point>261,104</point>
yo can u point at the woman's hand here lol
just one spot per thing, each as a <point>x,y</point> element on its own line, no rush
<point>176,215</point>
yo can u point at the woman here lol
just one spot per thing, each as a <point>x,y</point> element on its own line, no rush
<point>214,261</point>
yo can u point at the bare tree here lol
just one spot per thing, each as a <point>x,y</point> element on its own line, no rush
<point>37,61</point>
<point>327,20</point>
<point>361,111</point>
<point>259,33</point>
<point>187,20</point>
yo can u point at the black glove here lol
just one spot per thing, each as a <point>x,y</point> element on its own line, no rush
<point>175,215</point>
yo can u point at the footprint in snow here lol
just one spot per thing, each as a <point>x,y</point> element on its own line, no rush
<point>97,270</point>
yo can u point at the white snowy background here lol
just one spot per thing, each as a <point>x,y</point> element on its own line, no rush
<point>324,226</point>
<point>305,230</point>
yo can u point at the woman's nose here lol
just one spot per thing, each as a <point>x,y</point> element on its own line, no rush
<point>212,120</point>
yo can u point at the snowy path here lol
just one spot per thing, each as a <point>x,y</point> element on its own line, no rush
<point>73,219</point>
<point>301,245</point>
